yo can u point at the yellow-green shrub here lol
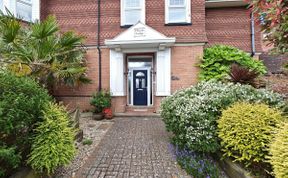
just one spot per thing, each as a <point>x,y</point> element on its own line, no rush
<point>246,131</point>
<point>53,144</point>
<point>279,152</point>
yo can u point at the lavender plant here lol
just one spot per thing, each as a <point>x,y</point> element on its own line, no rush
<point>196,164</point>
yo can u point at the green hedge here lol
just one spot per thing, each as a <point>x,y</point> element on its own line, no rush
<point>191,113</point>
<point>218,59</point>
<point>21,103</point>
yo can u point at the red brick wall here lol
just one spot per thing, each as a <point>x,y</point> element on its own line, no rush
<point>231,26</point>
<point>81,16</point>
<point>184,69</point>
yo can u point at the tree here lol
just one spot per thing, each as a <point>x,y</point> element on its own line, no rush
<point>273,16</point>
<point>40,51</point>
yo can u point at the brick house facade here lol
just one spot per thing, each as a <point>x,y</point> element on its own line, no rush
<point>164,64</point>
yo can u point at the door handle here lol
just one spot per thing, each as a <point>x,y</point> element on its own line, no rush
<point>140,89</point>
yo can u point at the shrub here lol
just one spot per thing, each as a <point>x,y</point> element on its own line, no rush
<point>217,60</point>
<point>191,113</point>
<point>196,164</point>
<point>279,152</point>
<point>9,159</point>
<point>101,100</point>
<point>21,103</point>
<point>246,131</point>
<point>87,142</point>
<point>239,74</point>
<point>53,144</point>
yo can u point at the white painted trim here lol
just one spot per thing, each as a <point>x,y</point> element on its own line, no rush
<point>117,87</point>
<point>163,74</point>
<point>36,8</point>
<point>189,44</point>
<point>151,49</point>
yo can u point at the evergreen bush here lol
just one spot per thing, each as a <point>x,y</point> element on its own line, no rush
<point>21,103</point>
<point>53,143</point>
<point>191,113</point>
<point>246,131</point>
<point>218,59</point>
<point>279,152</point>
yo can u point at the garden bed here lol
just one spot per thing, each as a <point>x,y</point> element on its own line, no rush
<point>92,131</point>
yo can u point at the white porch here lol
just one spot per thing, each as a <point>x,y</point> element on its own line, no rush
<point>140,65</point>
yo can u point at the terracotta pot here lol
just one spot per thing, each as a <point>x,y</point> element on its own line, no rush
<point>98,116</point>
<point>108,114</point>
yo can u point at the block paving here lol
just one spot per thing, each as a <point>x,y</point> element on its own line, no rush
<point>133,147</point>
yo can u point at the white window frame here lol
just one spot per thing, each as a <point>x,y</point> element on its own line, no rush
<point>124,8</point>
<point>11,6</point>
<point>187,4</point>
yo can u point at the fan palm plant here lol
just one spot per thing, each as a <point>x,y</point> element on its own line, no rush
<point>39,50</point>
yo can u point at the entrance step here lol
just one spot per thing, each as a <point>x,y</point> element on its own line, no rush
<point>140,109</point>
<point>134,114</point>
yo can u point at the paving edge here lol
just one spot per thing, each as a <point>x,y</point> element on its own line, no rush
<point>232,170</point>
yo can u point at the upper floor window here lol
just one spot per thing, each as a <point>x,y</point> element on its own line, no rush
<point>132,11</point>
<point>28,10</point>
<point>1,5</point>
<point>178,11</point>
<point>24,9</point>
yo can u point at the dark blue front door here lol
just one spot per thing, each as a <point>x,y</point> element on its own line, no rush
<point>140,87</point>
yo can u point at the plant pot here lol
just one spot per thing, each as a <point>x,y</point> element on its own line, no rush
<point>98,116</point>
<point>108,114</point>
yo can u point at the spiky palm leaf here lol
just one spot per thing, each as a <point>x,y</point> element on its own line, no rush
<point>51,56</point>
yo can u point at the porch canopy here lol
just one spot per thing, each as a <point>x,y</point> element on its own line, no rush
<point>140,36</point>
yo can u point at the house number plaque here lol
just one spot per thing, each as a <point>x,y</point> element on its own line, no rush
<point>140,32</point>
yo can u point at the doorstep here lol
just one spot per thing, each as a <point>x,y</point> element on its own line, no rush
<point>137,114</point>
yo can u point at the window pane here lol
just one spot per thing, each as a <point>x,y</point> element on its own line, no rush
<point>177,14</point>
<point>177,2</point>
<point>1,5</point>
<point>132,3</point>
<point>132,16</point>
<point>24,10</point>
<point>143,83</point>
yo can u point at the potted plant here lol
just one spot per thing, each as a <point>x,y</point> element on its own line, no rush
<point>108,114</point>
<point>100,101</point>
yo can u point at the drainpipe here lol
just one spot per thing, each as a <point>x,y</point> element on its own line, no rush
<point>98,46</point>
<point>252,34</point>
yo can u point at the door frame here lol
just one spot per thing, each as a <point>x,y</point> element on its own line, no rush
<point>148,84</point>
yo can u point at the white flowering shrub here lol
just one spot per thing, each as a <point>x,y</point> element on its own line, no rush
<point>191,113</point>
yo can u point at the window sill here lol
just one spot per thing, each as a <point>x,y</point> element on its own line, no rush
<point>126,26</point>
<point>178,24</point>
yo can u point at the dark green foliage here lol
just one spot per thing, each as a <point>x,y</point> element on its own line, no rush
<point>21,103</point>
<point>87,142</point>
<point>218,59</point>
<point>53,143</point>
<point>9,158</point>
<point>101,100</point>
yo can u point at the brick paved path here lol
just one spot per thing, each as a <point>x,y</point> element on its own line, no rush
<point>133,147</point>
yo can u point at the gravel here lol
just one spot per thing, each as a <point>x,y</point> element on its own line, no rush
<point>92,130</point>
